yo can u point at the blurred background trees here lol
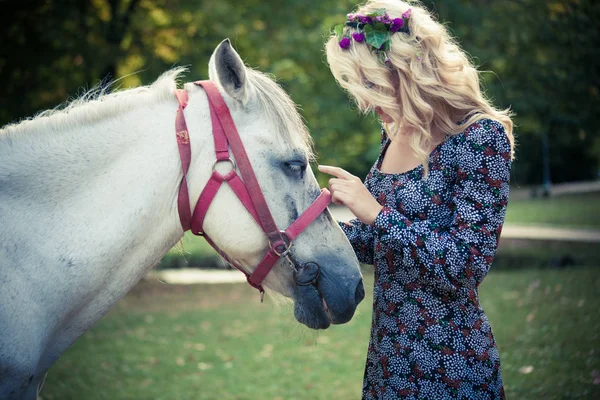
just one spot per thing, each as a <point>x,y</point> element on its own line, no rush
<point>543,55</point>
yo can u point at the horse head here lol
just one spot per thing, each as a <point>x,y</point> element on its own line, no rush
<point>321,273</point>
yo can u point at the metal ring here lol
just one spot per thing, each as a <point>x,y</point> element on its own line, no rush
<point>230,160</point>
<point>288,249</point>
<point>313,282</point>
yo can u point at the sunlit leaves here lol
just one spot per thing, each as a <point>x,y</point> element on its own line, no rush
<point>102,9</point>
<point>543,56</point>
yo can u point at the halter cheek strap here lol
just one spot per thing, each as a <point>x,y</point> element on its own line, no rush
<point>247,188</point>
<point>185,154</point>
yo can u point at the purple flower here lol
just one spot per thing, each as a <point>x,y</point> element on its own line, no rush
<point>350,16</point>
<point>406,14</point>
<point>358,36</point>
<point>397,23</point>
<point>379,18</point>
<point>345,43</point>
<point>365,20</point>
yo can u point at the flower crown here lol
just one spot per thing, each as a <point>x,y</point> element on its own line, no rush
<point>374,29</point>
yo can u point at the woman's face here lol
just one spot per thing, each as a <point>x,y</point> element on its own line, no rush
<point>384,117</point>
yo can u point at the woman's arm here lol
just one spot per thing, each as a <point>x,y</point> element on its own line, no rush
<point>360,236</point>
<point>460,256</point>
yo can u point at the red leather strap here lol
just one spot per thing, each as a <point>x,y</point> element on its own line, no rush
<point>185,154</point>
<point>221,146</point>
<point>242,193</point>
<point>237,148</point>
<point>225,134</point>
<point>225,257</point>
<point>299,225</point>
<point>206,198</point>
<point>268,262</point>
<point>262,270</point>
<point>309,215</point>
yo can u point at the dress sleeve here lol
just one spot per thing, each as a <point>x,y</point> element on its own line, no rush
<point>360,236</point>
<point>460,255</point>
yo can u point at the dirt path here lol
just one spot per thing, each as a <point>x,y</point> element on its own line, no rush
<point>194,275</point>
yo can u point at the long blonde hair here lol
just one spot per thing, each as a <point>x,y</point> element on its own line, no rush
<point>428,85</point>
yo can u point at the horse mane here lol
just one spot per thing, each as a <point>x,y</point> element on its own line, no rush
<point>280,108</point>
<point>97,104</point>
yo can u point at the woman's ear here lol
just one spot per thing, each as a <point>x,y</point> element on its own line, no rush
<point>226,67</point>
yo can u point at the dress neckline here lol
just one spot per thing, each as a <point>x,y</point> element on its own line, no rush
<point>410,171</point>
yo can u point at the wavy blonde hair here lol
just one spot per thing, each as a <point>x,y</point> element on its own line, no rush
<point>428,86</point>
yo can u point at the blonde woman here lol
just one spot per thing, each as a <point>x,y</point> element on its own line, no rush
<point>431,209</point>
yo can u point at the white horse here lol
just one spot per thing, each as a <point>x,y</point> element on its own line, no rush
<point>88,204</point>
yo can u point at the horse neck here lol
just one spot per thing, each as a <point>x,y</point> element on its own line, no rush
<point>108,189</point>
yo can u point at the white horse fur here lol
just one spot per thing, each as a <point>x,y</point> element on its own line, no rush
<point>88,205</point>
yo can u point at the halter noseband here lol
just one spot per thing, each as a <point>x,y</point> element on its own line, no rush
<point>248,191</point>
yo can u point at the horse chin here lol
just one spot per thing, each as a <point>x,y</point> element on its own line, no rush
<point>319,298</point>
<point>309,307</point>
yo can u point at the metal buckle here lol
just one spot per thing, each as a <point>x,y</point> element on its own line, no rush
<point>288,249</point>
<point>230,160</point>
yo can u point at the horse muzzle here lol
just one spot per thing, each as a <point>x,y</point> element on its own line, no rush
<point>321,301</point>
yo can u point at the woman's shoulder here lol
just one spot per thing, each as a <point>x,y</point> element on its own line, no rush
<point>485,135</point>
<point>485,131</point>
<point>482,145</point>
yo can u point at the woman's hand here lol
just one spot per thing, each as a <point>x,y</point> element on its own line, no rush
<point>348,190</point>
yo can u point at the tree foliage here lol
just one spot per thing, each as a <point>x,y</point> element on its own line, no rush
<point>542,54</point>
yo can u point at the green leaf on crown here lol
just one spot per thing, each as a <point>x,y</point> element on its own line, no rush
<point>380,27</point>
<point>339,31</point>
<point>374,37</point>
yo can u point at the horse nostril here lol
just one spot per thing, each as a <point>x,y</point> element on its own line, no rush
<point>360,292</point>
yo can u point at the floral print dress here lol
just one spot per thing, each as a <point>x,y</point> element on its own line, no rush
<point>431,246</point>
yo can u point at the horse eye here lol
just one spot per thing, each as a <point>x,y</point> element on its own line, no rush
<point>296,166</point>
<point>369,84</point>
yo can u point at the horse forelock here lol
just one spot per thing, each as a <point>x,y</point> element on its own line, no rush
<point>281,109</point>
<point>96,104</point>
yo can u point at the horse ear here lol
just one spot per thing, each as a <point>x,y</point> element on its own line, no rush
<point>228,68</point>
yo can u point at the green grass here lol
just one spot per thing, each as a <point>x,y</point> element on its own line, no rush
<point>580,210</point>
<point>219,342</point>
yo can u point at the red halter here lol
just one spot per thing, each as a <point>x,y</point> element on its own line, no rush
<point>248,191</point>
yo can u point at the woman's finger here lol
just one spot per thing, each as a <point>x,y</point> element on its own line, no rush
<point>338,187</point>
<point>336,201</point>
<point>339,198</point>
<point>335,171</point>
<point>338,183</point>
